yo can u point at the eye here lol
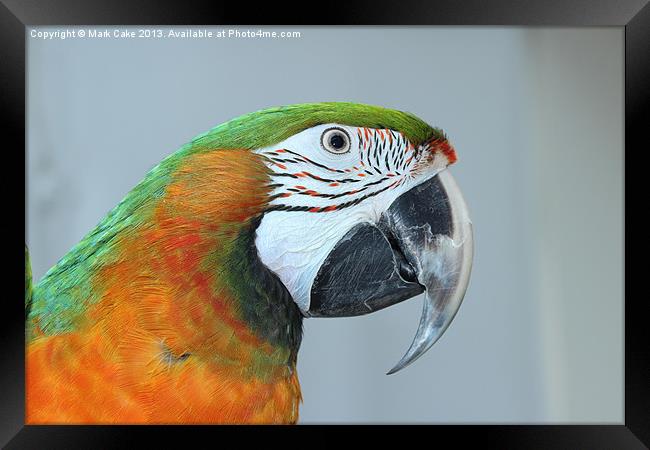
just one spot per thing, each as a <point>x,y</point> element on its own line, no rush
<point>335,140</point>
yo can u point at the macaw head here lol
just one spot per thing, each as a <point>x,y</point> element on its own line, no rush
<point>362,213</point>
<point>201,276</point>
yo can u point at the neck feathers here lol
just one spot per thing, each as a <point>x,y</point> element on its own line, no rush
<point>176,262</point>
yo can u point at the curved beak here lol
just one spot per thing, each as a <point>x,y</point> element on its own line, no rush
<point>437,240</point>
<point>422,243</point>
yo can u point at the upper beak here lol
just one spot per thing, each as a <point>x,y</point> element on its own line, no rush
<point>422,243</point>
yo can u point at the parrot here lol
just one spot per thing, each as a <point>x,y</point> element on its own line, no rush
<point>185,304</point>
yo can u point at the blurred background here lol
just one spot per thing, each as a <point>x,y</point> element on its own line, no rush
<point>536,116</point>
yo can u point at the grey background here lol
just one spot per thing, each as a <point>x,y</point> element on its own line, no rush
<point>536,116</point>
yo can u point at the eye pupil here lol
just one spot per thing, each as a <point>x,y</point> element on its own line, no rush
<point>337,141</point>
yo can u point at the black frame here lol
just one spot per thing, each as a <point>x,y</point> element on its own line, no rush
<point>16,15</point>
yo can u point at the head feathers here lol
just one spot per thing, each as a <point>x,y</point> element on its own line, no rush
<point>270,126</point>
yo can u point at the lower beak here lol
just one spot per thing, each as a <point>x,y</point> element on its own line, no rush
<point>422,243</point>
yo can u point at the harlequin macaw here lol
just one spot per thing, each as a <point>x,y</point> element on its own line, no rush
<point>185,304</point>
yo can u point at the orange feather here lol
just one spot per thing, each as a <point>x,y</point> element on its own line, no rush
<point>165,343</point>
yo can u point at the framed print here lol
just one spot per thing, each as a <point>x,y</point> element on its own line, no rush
<point>241,219</point>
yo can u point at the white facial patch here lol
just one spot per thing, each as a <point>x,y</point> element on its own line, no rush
<point>320,195</point>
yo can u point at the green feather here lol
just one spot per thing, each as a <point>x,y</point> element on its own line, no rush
<point>270,126</point>
<point>28,282</point>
